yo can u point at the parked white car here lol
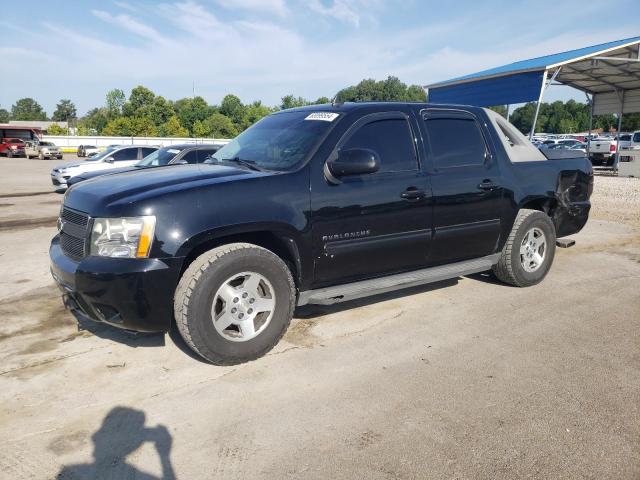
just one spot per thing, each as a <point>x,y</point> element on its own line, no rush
<point>112,157</point>
<point>87,150</point>
<point>42,150</point>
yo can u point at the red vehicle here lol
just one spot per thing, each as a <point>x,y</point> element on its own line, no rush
<point>13,138</point>
<point>12,147</point>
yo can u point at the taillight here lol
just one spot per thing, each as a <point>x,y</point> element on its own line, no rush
<point>612,147</point>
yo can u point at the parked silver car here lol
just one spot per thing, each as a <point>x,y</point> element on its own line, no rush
<point>42,150</point>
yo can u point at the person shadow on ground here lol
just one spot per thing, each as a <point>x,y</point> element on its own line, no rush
<point>122,432</point>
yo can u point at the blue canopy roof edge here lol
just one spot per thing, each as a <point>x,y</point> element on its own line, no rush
<point>511,89</point>
<point>539,63</point>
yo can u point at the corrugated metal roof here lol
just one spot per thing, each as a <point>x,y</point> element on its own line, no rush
<point>542,63</point>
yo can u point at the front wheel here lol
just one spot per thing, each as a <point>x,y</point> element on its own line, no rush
<point>528,253</point>
<point>234,303</point>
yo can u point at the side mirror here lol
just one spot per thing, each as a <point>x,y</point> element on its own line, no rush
<point>354,161</point>
<point>109,159</point>
<point>182,161</point>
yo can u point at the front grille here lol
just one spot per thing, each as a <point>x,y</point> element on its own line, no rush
<point>75,217</point>
<point>74,233</point>
<point>73,247</point>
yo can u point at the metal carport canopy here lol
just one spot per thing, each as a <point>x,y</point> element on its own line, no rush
<point>610,72</point>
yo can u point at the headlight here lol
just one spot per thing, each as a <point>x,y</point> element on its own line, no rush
<point>129,237</point>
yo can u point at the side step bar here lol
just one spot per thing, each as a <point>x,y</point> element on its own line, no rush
<point>365,288</point>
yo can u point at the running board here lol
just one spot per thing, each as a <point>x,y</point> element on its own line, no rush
<point>365,288</point>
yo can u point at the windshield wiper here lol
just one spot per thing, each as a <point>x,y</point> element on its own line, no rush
<point>246,163</point>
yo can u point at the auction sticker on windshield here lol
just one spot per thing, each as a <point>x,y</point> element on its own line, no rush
<point>324,116</point>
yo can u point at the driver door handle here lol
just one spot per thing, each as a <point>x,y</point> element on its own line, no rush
<point>412,193</point>
<point>487,185</point>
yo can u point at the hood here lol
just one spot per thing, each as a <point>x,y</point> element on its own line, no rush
<point>97,173</point>
<point>98,194</point>
<point>73,165</point>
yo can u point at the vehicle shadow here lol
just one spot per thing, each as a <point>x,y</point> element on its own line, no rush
<point>488,277</point>
<point>311,311</point>
<point>122,432</point>
<point>131,339</point>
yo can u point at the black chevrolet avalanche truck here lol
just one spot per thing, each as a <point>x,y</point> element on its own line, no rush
<point>319,204</point>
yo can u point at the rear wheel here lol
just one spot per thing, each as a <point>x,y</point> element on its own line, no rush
<point>234,303</point>
<point>529,251</point>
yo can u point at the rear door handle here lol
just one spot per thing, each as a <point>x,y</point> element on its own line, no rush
<point>487,185</point>
<point>413,193</point>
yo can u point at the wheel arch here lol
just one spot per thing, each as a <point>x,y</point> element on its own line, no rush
<point>282,240</point>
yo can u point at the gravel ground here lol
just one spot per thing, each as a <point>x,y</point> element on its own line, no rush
<point>616,200</point>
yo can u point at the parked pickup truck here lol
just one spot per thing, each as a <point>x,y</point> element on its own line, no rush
<point>12,147</point>
<point>602,151</point>
<point>318,204</point>
<point>42,150</point>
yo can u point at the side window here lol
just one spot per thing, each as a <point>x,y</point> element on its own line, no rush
<point>391,139</point>
<point>147,151</point>
<point>125,154</point>
<point>205,153</point>
<point>190,157</point>
<point>636,137</point>
<point>455,142</point>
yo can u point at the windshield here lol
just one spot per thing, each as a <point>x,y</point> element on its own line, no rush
<point>277,142</point>
<point>101,155</point>
<point>47,144</point>
<point>160,157</point>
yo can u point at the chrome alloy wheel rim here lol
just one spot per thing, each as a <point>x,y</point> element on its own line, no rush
<point>243,306</point>
<point>533,250</point>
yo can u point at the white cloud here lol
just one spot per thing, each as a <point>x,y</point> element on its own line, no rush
<point>125,6</point>
<point>278,7</point>
<point>348,11</point>
<point>131,24</point>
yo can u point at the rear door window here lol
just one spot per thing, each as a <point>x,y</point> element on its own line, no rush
<point>125,154</point>
<point>190,157</point>
<point>205,154</point>
<point>147,151</point>
<point>455,141</point>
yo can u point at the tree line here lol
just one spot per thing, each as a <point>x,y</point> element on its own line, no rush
<point>143,113</point>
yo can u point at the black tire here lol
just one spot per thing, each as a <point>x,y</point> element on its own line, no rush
<point>196,291</point>
<point>510,269</point>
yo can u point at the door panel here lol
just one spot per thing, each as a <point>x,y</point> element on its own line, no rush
<point>468,197</point>
<point>367,225</point>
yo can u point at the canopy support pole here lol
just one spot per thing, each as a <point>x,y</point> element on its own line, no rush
<point>545,84</point>
<point>616,158</point>
<point>590,103</point>
<point>508,111</point>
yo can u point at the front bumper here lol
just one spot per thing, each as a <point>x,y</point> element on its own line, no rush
<point>130,293</point>
<point>59,180</point>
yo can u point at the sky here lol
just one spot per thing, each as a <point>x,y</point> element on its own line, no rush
<point>265,49</point>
